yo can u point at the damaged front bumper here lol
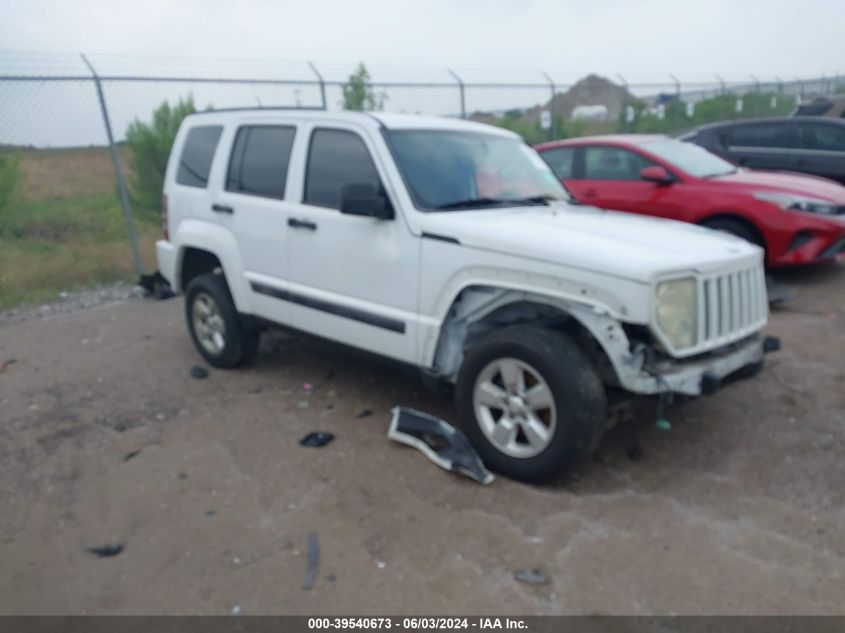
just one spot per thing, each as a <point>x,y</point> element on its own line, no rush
<point>702,375</point>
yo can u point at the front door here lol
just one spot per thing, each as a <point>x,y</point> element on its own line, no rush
<point>351,278</point>
<point>609,178</point>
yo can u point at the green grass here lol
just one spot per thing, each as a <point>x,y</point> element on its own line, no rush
<point>63,243</point>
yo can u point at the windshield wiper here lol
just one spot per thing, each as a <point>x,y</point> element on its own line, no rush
<point>471,203</point>
<point>474,203</point>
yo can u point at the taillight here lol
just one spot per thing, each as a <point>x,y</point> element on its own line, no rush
<point>164,217</point>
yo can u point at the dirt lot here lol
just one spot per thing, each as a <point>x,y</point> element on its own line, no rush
<point>105,438</point>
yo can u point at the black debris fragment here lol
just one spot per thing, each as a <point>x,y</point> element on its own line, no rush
<point>533,576</point>
<point>210,513</point>
<point>182,475</point>
<point>7,363</point>
<point>442,443</point>
<point>317,439</point>
<point>107,551</point>
<point>313,562</point>
<point>156,285</point>
<point>331,578</point>
<point>364,414</point>
<point>199,372</point>
<point>131,455</point>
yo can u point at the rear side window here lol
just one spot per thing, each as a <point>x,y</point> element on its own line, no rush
<point>612,163</point>
<point>260,159</point>
<point>826,138</point>
<point>336,157</point>
<point>561,160</point>
<point>760,135</point>
<point>197,154</point>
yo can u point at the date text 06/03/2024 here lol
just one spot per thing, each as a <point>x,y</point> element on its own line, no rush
<point>416,623</point>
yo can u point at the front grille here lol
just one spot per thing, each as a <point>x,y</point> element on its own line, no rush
<point>731,306</point>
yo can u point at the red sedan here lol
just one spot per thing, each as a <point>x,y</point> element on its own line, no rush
<point>797,219</point>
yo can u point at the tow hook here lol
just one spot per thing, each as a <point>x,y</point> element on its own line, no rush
<point>771,344</point>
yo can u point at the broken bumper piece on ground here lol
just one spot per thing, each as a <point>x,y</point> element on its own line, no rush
<point>442,443</point>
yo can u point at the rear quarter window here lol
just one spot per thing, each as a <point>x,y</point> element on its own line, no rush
<point>197,155</point>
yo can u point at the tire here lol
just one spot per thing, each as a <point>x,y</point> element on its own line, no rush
<point>734,227</point>
<point>209,311</point>
<point>574,419</point>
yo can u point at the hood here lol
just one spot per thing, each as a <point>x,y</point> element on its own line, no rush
<point>787,182</point>
<point>610,242</point>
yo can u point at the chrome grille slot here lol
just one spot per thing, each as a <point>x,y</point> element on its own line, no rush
<point>732,306</point>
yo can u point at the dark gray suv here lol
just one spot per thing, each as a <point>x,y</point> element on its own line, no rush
<point>812,145</point>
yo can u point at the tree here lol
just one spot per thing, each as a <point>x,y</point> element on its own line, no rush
<point>359,95</point>
<point>149,146</point>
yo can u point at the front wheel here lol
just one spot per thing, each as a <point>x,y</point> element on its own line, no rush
<point>531,402</point>
<point>215,326</point>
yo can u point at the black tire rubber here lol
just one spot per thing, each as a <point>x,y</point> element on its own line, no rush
<point>576,387</point>
<point>241,341</point>
<point>733,227</point>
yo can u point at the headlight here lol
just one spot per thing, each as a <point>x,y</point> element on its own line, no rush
<point>797,203</point>
<point>676,311</point>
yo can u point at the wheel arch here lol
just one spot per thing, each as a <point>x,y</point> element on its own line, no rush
<point>477,310</point>
<point>205,248</point>
<point>739,219</point>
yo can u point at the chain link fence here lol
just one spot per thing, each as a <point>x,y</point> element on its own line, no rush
<point>65,169</point>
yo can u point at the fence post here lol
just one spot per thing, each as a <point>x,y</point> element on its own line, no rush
<point>625,123</point>
<point>461,88</point>
<point>137,263</point>
<point>553,88</point>
<point>322,85</point>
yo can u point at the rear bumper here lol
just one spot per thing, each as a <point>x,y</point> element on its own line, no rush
<point>705,375</point>
<point>166,258</point>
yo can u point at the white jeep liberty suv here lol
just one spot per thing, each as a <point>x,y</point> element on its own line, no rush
<point>451,246</point>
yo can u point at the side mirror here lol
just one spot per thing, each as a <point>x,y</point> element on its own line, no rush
<point>364,198</point>
<point>657,175</point>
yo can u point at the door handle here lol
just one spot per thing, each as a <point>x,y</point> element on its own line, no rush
<point>591,193</point>
<point>222,208</point>
<point>302,224</point>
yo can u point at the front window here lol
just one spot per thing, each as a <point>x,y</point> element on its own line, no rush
<point>692,159</point>
<point>462,170</point>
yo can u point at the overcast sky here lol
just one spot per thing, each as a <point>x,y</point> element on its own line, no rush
<point>399,40</point>
<point>645,40</point>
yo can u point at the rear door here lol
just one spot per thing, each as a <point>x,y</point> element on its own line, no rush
<point>253,204</point>
<point>763,145</point>
<point>609,177</point>
<point>822,150</point>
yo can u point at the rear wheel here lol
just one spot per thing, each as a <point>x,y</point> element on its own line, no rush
<point>531,402</point>
<point>218,332</point>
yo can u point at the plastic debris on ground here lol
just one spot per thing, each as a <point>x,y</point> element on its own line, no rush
<point>317,439</point>
<point>7,363</point>
<point>107,551</point>
<point>533,576</point>
<point>199,372</point>
<point>364,414</point>
<point>313,562</point>
<point>442,443</point>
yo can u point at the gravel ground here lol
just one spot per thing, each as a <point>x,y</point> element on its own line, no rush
<point>74,301</point>
<point>106,440</point>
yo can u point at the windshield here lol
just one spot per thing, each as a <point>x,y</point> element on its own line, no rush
<point>694,160</point>
<point>464,170</point>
